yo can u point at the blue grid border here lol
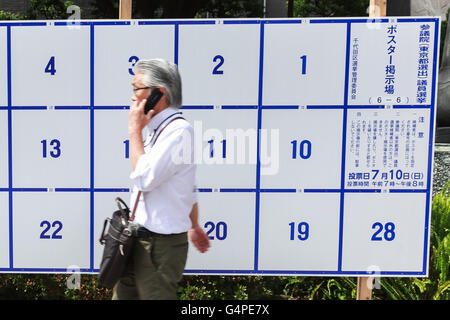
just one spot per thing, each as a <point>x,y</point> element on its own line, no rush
<point>260,107</point>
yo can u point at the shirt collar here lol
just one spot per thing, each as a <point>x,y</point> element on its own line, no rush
<point>156,120</point>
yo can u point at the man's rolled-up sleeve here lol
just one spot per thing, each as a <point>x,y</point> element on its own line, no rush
<point>157,166</point>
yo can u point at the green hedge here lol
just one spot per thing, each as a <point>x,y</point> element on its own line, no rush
<point>436,286</point>
<point>4,15</point>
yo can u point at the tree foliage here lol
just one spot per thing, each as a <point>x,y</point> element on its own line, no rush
<point>330,8</point>
<point>164,9</point>
<point>48,10</point>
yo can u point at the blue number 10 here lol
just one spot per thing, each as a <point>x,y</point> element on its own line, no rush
<point>305,149</point>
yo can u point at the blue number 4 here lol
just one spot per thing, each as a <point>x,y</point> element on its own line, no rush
<point>50,68</point>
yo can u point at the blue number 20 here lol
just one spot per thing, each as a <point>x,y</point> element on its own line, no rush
<point>221,230</point>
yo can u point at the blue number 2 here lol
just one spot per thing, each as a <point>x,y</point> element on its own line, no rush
<point>216,69</point>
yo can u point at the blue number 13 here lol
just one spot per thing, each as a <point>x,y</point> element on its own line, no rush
<point>56,152</point>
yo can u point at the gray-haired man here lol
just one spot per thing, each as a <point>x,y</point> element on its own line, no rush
<point>167,211</point>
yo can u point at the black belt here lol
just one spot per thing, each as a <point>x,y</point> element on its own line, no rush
<point>144,233</point>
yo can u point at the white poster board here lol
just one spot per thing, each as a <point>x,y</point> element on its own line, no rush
<point>314,140</point>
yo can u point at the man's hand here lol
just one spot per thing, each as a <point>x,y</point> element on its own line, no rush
<point>137,120</point>
<point>199,238</point>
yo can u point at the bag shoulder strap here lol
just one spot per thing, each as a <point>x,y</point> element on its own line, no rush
<point>139,193</point>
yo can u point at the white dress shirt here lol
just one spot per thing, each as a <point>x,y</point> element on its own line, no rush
<point>166,175</point>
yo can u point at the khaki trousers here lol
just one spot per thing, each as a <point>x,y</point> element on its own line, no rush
<point>155,269</point>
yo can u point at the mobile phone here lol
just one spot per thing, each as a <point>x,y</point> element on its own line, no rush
<point>152,100</point>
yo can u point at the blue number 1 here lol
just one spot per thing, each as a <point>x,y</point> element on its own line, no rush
<point>303,64</point>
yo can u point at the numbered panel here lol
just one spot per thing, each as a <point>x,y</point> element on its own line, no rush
<point>4,146</point>
<point>112,164</point>
<point>117,52</point>
<point>4,230</point>
<point>56,234</point>
<point>225,147</point>
<point>302,150</point>
<point>385,231</point>
<point>3,68</point>
<point>219,64</point>
<point>301,70</point>
<point>49,150</point>
<point>231,232</point>
<point>298,231</point>
<point>387,149</point>
<point>58,71</point>
<point>296,73</point>
<point>391,63</point>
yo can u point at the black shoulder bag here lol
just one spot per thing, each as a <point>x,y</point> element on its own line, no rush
<point>119,240</point>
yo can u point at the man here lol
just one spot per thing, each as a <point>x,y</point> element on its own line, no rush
<point>167,209</point>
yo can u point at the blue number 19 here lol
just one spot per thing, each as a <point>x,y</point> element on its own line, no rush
<point>303,230</point>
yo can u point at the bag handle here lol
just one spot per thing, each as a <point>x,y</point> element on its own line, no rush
<point>139,193</point>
